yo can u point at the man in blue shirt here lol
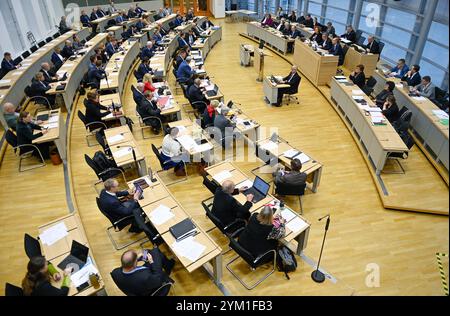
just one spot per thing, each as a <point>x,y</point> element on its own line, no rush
<point>96,74</point>
<point>111,47</point>
<point>85,20</point>
<point>185,72</point>
<point>400,70</point>
<point>182,42</point>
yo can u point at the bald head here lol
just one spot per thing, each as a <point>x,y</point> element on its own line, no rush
<point>174,132</point>
<point>294,69</point>
<point>9,107</point>
<point>128,259</point>
<point>228,186</point>
<point>45,66</point>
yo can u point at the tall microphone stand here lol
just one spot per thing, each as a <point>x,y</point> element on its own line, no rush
<point>317,275</point>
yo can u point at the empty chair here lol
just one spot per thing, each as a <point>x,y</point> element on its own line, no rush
<point>403,123</point>
<point>396,156</point>
<point>91,128</point>
<point>32,246</point>
<point>369,86</point>
<point>34,48</point>
<point>25,54</point>
<point>38,99</point>
<point>28,150</point>
<point>381,46</point>
<point>12,290</point>
<point>358,35</point>
<point>48,39</point>
<point>251,261</point>
<point>105,171</point>
<point>40,44</point>
<point>19,59</point>
<point>57,34</point>
<point>361,41</point>
<point>291,190</point>
<point>441,98</point>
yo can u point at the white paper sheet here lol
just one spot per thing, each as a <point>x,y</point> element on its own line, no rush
<point>122,152</point>
<point>247,183</point>
<point>376,114</point>
<point>50,126</point>
<point>357,92</point>
<point>287,215</point>
<point>161,215</point>
<point>290,153</point>
<point>440,114</point>
<point>377,120</point>
<point>115,139</point>
<point>296,225</point>
<point>358,97</point>
<point>419,98</point>
<point>187,142</point>
<point>189,248</point>
<point>303,158</point>
<point>53,119</point>
<point>53,234</point>
<point>222,176</point>
<point>82,275</point>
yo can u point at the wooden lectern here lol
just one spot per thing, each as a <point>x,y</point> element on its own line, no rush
<point>259,63</point>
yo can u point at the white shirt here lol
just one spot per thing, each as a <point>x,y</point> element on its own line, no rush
<point>171,147</point>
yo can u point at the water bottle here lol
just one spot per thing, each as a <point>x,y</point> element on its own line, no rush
<point>281,205</point>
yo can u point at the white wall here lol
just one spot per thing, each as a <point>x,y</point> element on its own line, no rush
<point>218,8</point>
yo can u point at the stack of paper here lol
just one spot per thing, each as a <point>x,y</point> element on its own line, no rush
<point>53,234</point>
<point>222,176</point>
<point>53,119</point>
<point>376,120</point>
<point>357,92</point>
<point>187,142</point>
<point>161,215</point>
<point>303,158</point>
<point>291,153</point>
<point>209,87</point>
<point>287,214</point>
<point>189,248</point>
<point>419,98</point>
<point>115,139</point>
<point>82,275</point>
<point>297,225</point>
<point>358,97</point>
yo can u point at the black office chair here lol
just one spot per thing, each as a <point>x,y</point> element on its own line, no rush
<point>163,290</point>
<point>24,151</point>
<point>12,290</point>
<point>149,230</point>
<point>117,226</point>
<point>381,47</point>
<point>210,185</point>
<point>49,39</point>
<point>19,59</point>
<point>361,41</point>
<point>91,128</point>
<point>57,34</point>
<point>136,75</point>
<point>253,262</point>
<point>231,230</point>
<point>32,246</point>
<point>40,44</point>
<point>403,124</point>
<point>38,99</point>
<point>441,98</point>
<point>164,165</point>
<point>369,86</point>
<point>291,95</point>
<point>396,156</point>
<point>34,48</point>
<point>146,123</point>
<point>101,140</point>
<point>358,35</point>
<point>291,190</point>
<point>104,173</point>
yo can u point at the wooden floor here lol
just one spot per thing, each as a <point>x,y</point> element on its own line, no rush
<point>362,231</point>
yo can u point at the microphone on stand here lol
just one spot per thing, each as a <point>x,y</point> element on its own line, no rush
<point>317,275</point>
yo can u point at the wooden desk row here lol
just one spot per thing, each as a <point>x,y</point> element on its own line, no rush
<point>377,140</point>
<point>56,131</point>
<point>76,69</point>
<point>433,133</point>
<point>189,25</point>
<point>269,35</point>
<point>58,251</point>
<point>102,23</point>
<point>16,80</point>
<point>238,177</point>
<point>156,195</point>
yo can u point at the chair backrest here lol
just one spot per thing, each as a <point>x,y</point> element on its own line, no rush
<point>11,138</point>
<point>158,155</point>
<point>358,34</point>
<point>210,185</point>
<point>34,48</point>
<point>48,39</point>
<point>295,88</point>
<point>32,246</point>
<point>18,60</point>
<point>439,93</point>
<point>214,218</point>
<point>12,290</point>
<point>91,163</point>
<point>115,276</point>
<point>57,34</point>
<point>41,44</point>
<point>361,40</point>
<point>371,82</point>
<point>402,111</point>
<point>26,54</point>
<point>381,47</point>
<point>82,117</point>
<point>28,92</point>
<point>345,50</point>
<point>406,116</point>
<point>242,252</point>
<point>284,189</point>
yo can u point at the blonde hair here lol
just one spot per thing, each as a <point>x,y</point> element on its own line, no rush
<point>215,103</point>
<point>147,78</point>
<point>265,217</point>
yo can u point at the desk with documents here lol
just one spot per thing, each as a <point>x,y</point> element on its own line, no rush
<point>271,88</point>
<point>56,131</point>
<point>269,35</point>
<point>60,247</point>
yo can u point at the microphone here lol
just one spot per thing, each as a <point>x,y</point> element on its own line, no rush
<point>328,215</point>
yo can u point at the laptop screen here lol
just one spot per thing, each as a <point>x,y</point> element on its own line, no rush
<point>79,251</point>
<point>261,185</point>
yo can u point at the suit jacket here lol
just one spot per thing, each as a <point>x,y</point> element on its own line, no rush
<point>191,38</point>
<point>207,24</point>
<point>177,22</point>
<point>95,76</point>
<point>25,133</point>
<point>56,60</point>
<point>295,34</point>
<point>280,27</point>
<point>326,45</point>
<point>120,19</point>
<point>382,96</point>
<point>309,23</point>
<point>85,20</point>
<point>131,14</point>
<point>317,38</point>
<point>254,237</point>
<point>94,16</point>
<point>293,82</point>
<point>147,53</point>
<point>224,125</point>
<point>374,47</point>
<point>93,113</point>
<point>48,76</point>
<point>293,178</point>
<point>143,70</point>
<point>101,13</point>
<point>337,50</point>
<point>148,108</point>
<point>402,71</point>
<point>137,96</point>
<point>127,34</point>
<point>350,36</point>
<point>359,79</point>
<point>67,52</point>
<point>195,94</point>
<point>189,16</point>
<point>7,66</point>
<point>144,280</point>
<point>63,28</point>
<point>182,43</point>
<point>39,88</point>
<point>227,209</point>
<point>184,72</point>
<point>114,207</point>
<point>414,80</point>
<point>391,113</point>
<point>110,49</point>
<point>427,91</point>
<point>140,25</point>
<point>331,31</point>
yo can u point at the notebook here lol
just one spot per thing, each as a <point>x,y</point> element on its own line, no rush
<point>183,229</point>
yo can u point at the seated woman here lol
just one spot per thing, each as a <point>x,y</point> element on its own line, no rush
<point>93,109</point>
<point>209,114</point>
<point>39,274</point>
<point>147,80</point>
<point>172,150</point>
<point>25,135</point>
<point>380,99</point>
<point>316,36</point>
<point>390,109</point>
<point>267,20</point>
<point>258,236</point>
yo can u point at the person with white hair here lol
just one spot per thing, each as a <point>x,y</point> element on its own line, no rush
<point>293,80</point>
<point>173,154</point>
<point>224,125</point>
<point>226,208</point>
<point>148,51</point>
<point>49,75</point>
<point>138,93</point>
<point>10,115</point>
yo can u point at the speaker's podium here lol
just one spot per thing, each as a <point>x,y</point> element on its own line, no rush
<point>260,54</point>
<point>271,88</point>
<point>246,53</point>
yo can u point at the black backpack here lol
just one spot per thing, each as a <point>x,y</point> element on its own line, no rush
<point>286,261</point>
<point>102,161</point>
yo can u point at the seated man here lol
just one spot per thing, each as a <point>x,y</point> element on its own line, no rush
<point>191,37</point>
<point>94,109</point>
<point>350,34</point>
<point>226,208</point>
<point>336,50</point>
<point>381,97</point>
<point>207,24</point>
<point>372,45</point>
<point>138,94</point>
<point>182,41</point>
<point>400,70</point>
<point>131,12</point>
<point>129,33</point>
<point>196,96</point>
<point>178,21</point>
<point>68,50</point>
<point>172,153</point>
<point>7,63</point>
<point>39,88</point>
<point>425,89</point>
<point>85,19</point>
<point>111,47</point>
<point>185,73</point>
<point>114,207</point>
<point>358,76</point>
<point>96,74</point>
<point>148,107</point>
<point>291,178</point>
<point>148,51</point>
<point>326,42</point>
<point>143,69</point>
<point>412,77</point>
<point>63,27</point>
<point>224,125</point>
<point>57,58</point>
<point>293,80</point>
<point>94,15</point>
<point>49,75</point>
<point>10,115</point>
<point>146,278</point>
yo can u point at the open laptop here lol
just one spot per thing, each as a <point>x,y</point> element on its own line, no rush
<point>213,92</point>
<point>259,189</point>
<point>78,255</point>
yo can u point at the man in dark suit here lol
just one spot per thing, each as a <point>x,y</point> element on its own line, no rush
<point>39,87</point>
<point>182,41</point>
<point>138,93</point>
<point>372,46</point>
<point>84,19</point>
<point>207,24</point>
<point>148,51</point>
<point>94,110</point>
<point>292,178</point>
<point>57,58</point>
<point>350,34</point>
<point>336,50</point>
<point>114,207</point>
<point>143,279</point>
<point>94,15</point>
<point>7,63</point>
<point>185,72</point>
<point>138,10</point>
<point>100,12</point>
<point>308,22</point>
<point>358,77</point>
<point>294,33</point>
<point>195,94</point>
<point>189,15</point>
<point>49,75</point>
<point>178,21</point>
<point>326,42</point>
<point>143,69</point>
<point>293,80</point>
<point>412,77</point>
<point>68,50</point>
<point>226,208</point>
<point>191,37</point>
<point>95,75</point>
<point>132,30</point>
<point>148,107</point>
<point>132,13</point>
<point>111,47</point>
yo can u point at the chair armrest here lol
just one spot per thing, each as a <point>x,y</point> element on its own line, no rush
<point>96,122</point>
<point>111,169</point>
<point>261,256</point>
<point>238,232</point>
<point>238,220</point>
<point>169,283</point>
<point>123,219</point>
